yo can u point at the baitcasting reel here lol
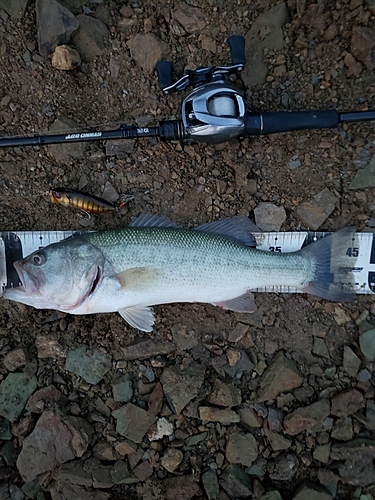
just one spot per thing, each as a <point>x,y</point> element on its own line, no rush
<point>214,111</point>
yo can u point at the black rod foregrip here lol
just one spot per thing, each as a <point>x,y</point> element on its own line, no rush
<point>285,121</point>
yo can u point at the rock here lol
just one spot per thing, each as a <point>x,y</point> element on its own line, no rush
<point>49,348</point>
<point>322,452</point>
<point>90,39</point>
<point>320,348</point>
<point>190,18</point>
<point>342,429</point>
<point>313,213</point>
<point>15,8</point>
<point>53,442</point>
<point>126,448</point>
<point>123,389</point>
<point>15,359</point>
<point>363,45</point>
<point>90,365</point>
<point>119,148</point>
<point>162,428</point>
<point>65,153</point>
<point>185,338</point>
<point>14,392</point>
<point>269,217</point>
<point>347,402</point>
<point>226,417</point>
<point>271,495</point>
<point>236,482</point>
<point>210,484</point>
<point>180,488</point>
<point>365,177</point>
<point>265,33</point>
<point>50,394</point>
<point>238,363</point>
<point>281,376</point>
<point>132,422</point>
<point>358,456</point>
<point>56,25</point>
<point>65,58</point>
<point>241,449</point>
<point>309,418</point>
<point>104,451</point>
<point>351,362</point>
<point>171,459</point>
<point>5,433</point>
<point>311,492</point>
<point>147,349</point>
<point>370,415</point>
<point>224,395</point>
<point>73,472</point>
<point>284,467</point>
<point>155,401</point>
<point>181,386</point>
<point>367,344</point>
<point>146,49</point>
<point>277,441</point>
<point>110,194</point>
<point>249,417</point>
<point>354,67</point>
<point>340,316</point>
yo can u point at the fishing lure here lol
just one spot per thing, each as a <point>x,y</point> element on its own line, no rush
<point>83,201</point>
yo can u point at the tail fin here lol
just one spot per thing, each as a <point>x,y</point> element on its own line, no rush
<point>334,262</point>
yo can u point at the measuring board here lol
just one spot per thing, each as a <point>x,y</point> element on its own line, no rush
<point>18,244</point>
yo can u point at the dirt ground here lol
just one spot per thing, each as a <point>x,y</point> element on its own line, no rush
<point>191,184</point>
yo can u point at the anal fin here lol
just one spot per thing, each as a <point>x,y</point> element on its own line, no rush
<point>244,303</point>
<point>140,317</point>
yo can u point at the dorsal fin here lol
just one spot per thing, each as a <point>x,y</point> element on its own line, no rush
<point>239,229</point>
<point>153,220</point>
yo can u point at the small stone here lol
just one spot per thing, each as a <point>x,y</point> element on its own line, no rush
<point>309,418</point>
<point>367,344</point>
<point>90,365</point>
<point>351,362</point>
<point>313,213</point>
<point>249,417</point>
<point>180,488</point>
<point>15,8</point>
<point>347,402</point>
<point>143,471</point>
<point>132,422</point>
<point>47,395</point>
<point>49,348</point>
<point>277,441</point>
<point>163,427</point>
<point>147,349</point>
<point>320,348</point>
<point>126,448</point>
<point>171,459</point>
<point>284,467</point>
<point>241,449</point>
<point>14,392</point>
<point>15,359</point>
<point>365,177</point>
<point>211,484</point>
<point>146,49</point>
<point>190,18</point>
<point>91,37</point>
<point>235,482</point>
<point>281,376</point>
<point>225,417</point>
<point>311,492</point>
<point>238,332</point>
<point>104,451</point>
<point>5,433</point>
<point>110,194</point>
<point>224,394</point>
<point>343,429</point>
<point>122,389</point>
<point>269,217</point>
<point>181,386</point>
<point>65,58</point>
<point>363,45</point>
<point>185,338</point>
<point>340,316</point>
<point>321,453</point>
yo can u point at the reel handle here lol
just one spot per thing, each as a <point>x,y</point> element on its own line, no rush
<point>236,44</point>
<point>164,70</point>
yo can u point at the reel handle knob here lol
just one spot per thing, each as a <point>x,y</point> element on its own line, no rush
<point>164,70</point>
<point>236,44</point>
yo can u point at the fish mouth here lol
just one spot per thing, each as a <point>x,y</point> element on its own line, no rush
<point>95,281</point>
<point>30,284</point>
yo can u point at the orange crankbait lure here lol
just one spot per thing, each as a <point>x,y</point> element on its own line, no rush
<point>83,201</point>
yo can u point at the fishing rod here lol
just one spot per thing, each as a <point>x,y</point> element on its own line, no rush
<point>213,112</point>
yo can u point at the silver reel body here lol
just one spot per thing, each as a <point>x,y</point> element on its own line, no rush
<point>214,113</point>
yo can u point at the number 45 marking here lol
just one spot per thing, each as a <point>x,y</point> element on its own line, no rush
<point>352,252</point>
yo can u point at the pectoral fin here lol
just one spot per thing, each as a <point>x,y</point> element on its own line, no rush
<point>141,317</point>
<point>244,303</point>
<point>138,278</point>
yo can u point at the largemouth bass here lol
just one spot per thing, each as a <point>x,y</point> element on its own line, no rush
<point>153,261</point>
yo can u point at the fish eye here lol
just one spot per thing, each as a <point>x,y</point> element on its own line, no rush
<point>39,259</point>
<point>57,195</point>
